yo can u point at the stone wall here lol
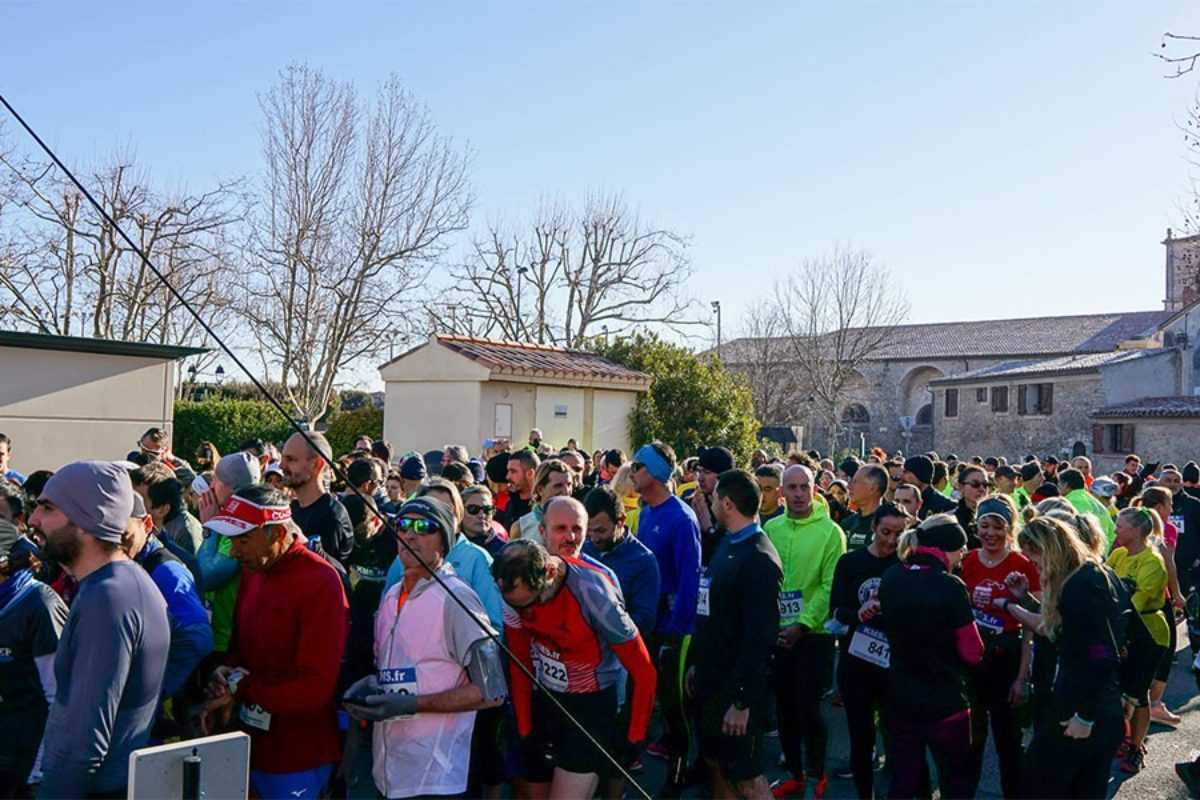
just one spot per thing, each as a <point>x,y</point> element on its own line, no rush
<point>1155,439</point>
<point>977,430</point>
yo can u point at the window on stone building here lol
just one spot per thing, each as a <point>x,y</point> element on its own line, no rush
<point>1000,399</point>
<point>952,402</point>
<point>1112,438</point>
<point>1035,398</point>
<point>981,395</point>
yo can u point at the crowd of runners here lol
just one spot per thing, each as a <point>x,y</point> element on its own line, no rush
<point>517,620</point>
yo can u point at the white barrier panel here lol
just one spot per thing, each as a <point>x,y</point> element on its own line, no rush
<point>157,773</point>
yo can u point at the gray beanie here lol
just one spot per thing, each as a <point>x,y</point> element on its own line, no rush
<point>238,470</point>
<point>96,496</point>
<point>435,511</point>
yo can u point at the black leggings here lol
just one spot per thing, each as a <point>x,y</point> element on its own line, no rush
<point>1058,767</point>
<point>1168,660</point>
<point>801,676</point>
<point>864,690</point>
<point>988,686</point>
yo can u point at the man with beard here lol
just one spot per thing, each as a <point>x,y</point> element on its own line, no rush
<point>113,652</point>
<point>318,513</point>
<point>522,466</point>
<point>635,566</point>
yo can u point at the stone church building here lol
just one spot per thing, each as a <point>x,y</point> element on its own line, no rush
<point>1100,385</point>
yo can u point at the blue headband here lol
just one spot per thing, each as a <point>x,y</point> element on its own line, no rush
<point>997,507</point>
<point>651,460</point>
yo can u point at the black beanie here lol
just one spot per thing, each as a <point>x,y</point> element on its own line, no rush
<point>921,466</point>
<point>715,459</point>
<point>1191,472</point>
<point>947,536</point>
<point>849,466</point>
<point>497,468</point>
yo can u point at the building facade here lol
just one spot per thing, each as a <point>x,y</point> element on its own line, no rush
<point>462,390</point>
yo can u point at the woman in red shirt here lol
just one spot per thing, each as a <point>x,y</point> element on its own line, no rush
<point>997,686</point>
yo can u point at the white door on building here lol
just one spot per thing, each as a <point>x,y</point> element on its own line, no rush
<point>503,421</point>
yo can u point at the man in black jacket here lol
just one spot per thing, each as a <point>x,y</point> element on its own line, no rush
<point>918,470</point>
<point>737,624</point>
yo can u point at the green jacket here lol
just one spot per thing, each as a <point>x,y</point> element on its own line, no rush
<point>808,549</point>
<point>1084,503</point>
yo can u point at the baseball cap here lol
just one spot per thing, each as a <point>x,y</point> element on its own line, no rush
<point>1005,471</point>
<point>240,516</point>
<point>1103,487</point>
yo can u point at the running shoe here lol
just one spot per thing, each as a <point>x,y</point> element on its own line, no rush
<point>792,787</point>
<point>771,733</point>
<point>656,749</point>
<point>637,767</point>
<point>820,787</point>
<point>1133,762</point>
<point>843,773</point>
<point>1160,713</point>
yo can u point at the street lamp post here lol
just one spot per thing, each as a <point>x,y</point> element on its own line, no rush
<point>520,322</point>
<point>716,307</point>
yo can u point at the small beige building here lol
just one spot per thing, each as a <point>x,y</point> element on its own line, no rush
<point>462,390</point>
<point>65,398</point>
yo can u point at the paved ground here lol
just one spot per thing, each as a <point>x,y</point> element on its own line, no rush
<point>1157,780</point>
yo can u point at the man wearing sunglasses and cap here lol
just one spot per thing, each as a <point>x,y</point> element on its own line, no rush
<point>437,664</point>
<point>290,624</point>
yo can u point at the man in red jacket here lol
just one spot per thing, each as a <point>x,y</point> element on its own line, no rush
<point>289,632</point>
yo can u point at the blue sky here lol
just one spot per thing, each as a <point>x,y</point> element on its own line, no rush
<point>1002,158</point>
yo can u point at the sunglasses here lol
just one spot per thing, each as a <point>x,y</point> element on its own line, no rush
<point>976,484</point>
<point>421,527</point>
<point>474,509</point>
<point>897,478</point>
<point>635,466</point>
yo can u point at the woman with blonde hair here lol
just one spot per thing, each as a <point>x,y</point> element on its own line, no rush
<point>1083,612</point>
<point>1137,562</point>
<point>622,484</point>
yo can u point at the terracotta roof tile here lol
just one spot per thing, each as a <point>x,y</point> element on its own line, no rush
<point>522,358</point>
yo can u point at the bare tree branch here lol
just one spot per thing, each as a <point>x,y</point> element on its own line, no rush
<point>354,209</point>
<point>576,273</point>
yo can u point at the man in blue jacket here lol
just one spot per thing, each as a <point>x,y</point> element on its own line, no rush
<point>631,561</point>
<point>669,528</point>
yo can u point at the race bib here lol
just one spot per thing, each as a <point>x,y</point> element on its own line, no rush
<point>871,645</point>
<point>1177,521</point>
<point>254,716</point>
<point>791,606</point>
<point>702,597</point>
<point>550,670</point>
<point>399,681</point>
<point>988,622</point>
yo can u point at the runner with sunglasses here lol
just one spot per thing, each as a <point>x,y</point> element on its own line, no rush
<point>972,485</point>
<point>565,622</point>
<point>437,665</point>
<point>479,514</point>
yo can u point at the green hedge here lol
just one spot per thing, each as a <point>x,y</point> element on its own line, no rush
<point>346,426</point>
<point>225,423</point>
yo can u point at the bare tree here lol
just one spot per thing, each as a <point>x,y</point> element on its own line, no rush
<point>836,313</point>
<point>762,355</point>
<point>575,273</point>
<point>355,206</point>
<point>66,270</point>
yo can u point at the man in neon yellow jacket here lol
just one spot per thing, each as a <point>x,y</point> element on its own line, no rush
<point>1071,484</point>
<point>809,545</point>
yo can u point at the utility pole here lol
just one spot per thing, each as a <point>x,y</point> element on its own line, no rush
<point>520,322</point>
